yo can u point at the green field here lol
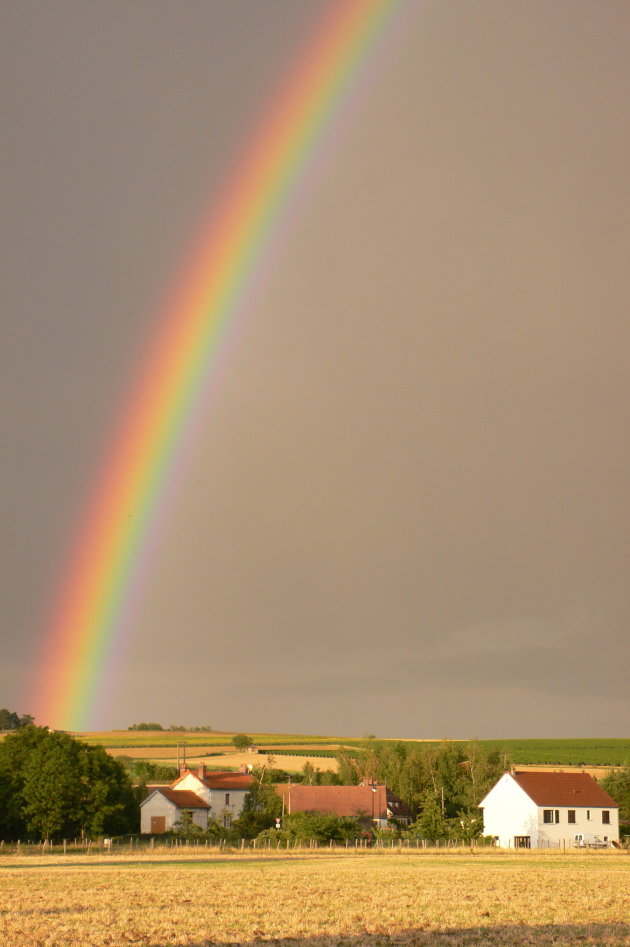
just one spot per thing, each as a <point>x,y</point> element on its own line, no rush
<point>587,752</point>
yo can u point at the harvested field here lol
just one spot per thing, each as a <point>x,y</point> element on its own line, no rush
<point>324,899</point>
<point>219,757</point>
<point>291,764</point>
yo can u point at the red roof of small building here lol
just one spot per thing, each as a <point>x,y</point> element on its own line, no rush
<point>335,800</point>
<point>184,798</point>
<point>225,780</point>
<point>563,789</point>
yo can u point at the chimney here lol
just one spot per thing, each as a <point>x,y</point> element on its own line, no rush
<point>201,771</point>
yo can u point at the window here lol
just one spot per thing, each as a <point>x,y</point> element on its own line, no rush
<point>588,814</point>
<point>522,841</point>
<point>227,798</point>
<point>606,817</point>
<point>551,816</point>
<point>571,816</point>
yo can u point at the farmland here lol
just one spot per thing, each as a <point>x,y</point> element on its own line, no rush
<point>162,745</point>
<point>291,751</point>
<point>554,752</point>
<point>325,899</point>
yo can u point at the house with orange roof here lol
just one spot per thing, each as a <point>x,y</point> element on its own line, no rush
<point>203,796</point>
<point>371,801</point>
<point>542,809</point>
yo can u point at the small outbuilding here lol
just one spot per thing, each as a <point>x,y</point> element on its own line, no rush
<point>534,809</point>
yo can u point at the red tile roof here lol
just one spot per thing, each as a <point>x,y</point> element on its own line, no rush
<point>184,798</point>
<point>221,780</point>
<point>335,800</point>
<point>228,780</point>
<point>574,790</point>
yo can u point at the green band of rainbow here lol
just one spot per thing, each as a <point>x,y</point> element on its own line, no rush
<point>101,571</point>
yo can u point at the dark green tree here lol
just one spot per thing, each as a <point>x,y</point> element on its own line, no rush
<point>348,768</point>
<point>57,787</point>
<point>241,741</point>
<point>617,784</point>
<point>9,720</point>
<point>431,823</point>
<point>261,807</point>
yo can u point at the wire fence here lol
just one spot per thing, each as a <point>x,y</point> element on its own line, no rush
<point>140,845</point>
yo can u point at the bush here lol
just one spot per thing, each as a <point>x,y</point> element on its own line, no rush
<point>320,827</point>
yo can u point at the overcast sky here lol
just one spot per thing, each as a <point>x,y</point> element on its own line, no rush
<point>408,510</point>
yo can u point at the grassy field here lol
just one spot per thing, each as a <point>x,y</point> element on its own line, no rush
<point>334,899</point>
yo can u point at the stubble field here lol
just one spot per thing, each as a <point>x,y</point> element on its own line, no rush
<point>316,899</point>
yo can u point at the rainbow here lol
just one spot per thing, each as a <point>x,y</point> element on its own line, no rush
<point>94,600</point>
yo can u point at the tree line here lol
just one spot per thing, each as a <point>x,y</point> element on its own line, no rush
<point>178,727</point>
<point>9,720</point>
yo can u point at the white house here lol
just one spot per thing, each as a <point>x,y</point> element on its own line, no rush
<point>204,795</point>
<point>530,809</point>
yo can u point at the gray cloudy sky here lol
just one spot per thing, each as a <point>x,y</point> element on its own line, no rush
<point>408,510</point>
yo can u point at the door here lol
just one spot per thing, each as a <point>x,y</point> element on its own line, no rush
<point>158,824</point>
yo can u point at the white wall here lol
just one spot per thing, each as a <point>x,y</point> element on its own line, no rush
<point>588,822</point>
<point>508,811</point>
<point>190,781</point>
